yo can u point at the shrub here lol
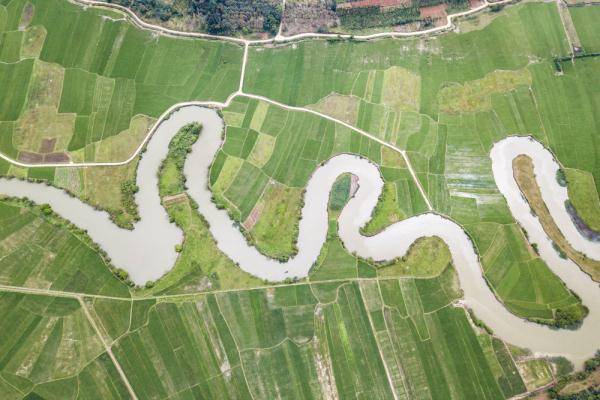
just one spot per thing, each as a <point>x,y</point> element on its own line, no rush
<point>561,178</point>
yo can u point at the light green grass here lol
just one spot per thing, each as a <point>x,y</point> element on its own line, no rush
<point>584,197</point>
<point>41,251</point>
<point>584,20</point>
<point>86,81</point>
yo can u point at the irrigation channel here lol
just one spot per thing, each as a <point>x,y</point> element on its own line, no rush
<point>148,251</point>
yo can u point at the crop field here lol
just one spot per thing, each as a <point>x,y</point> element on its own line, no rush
<point>470,95</point>
<point>307,340</point>
<point>583,18</point>
<point>40,251</point>
<point>50,351</point>
<point>584,197</point>
<point>354,338</point>
<point>86,87</point>
<point>250,174</point>
<point>347,339</point>
<point>447,133</point>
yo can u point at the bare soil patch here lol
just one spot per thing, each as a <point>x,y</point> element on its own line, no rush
<point>47,145</point>
<point>26,16</point>
<point>29,157</point>
<point>176,198</point>
<point>57,158</point>
<point>434,12</point>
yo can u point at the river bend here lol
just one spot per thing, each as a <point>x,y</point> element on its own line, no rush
<point>148,251</point>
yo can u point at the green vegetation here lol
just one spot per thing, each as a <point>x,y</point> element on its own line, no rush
<point>370,16</point>
<point>357,18</point>
<point>370,337</point>
<point>386,212</point>
<point>200,266</point>
<point>172,180</point>
<point>355,328</point>
<point>266,197</point>
<point>84,86</point>
<point>228,17</point>
<point>578,386</point>
<point>584,197</point>
<point>41,250</point>
<point>471,95</point>
<point>49,350</point>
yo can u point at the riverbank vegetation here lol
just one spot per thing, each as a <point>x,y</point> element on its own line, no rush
<point>41,250</point>
<point>581,385</point>
<point>525,178</point>
<point>584,197</point>
<point>354,326</point>
<point>95,102</point>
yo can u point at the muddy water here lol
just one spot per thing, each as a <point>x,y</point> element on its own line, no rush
<point>148,251</point>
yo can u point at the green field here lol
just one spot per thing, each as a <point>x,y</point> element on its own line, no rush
<point>583,19</point>
<point>42,251</point>
<point>470,94</point>
<point>262,179</point>
<point>84,86</point>
<point>451,162</point>
<point>50,351</point>
<point>584,197</point>
<point>349,339</point>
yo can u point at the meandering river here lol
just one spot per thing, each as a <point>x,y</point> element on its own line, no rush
<point>148,251</point>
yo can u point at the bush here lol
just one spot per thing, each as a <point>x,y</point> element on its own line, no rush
<point>367,17</point>
<point>561,178</point>
<point>561,253</point>
<point>567,317</point>
<point>226,17</point>
<point>46,209</point>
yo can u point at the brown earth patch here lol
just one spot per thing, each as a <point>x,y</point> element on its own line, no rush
<point>29,157</point>
<point>434,12</point>
<point>47,145</point>
<point>353,185</point>
<point>26,17</point>
<point>173,199</point>
<point>57,158</point>
<point>303,16</point>
<point>253,217</point>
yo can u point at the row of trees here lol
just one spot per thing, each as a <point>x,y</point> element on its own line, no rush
<point>232,16</point>
<point>151,9</point>
<point>222,17</point>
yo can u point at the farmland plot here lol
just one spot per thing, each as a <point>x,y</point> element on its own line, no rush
<point>84,86</point>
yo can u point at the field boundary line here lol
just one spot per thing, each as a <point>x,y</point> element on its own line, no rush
<point>214,104</point>
<point>76,295</point>
<point>108,349</point>
<point>351,127</point>
<point>374,332</point>
<point>237,345</point>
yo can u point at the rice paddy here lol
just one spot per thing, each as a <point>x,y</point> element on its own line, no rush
<point>80,85</point>
<point>86,85</point>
